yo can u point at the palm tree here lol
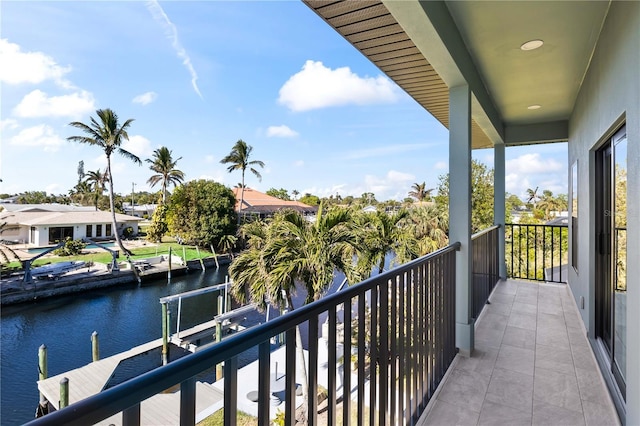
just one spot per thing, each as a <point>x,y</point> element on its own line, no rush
<point>380,234</point>
<point>533,196</point>
<point>419,191</point>
<point>96,179</point>
<point>238,159</point>
<point>165,166</point>
<point>107,134</point>
<point>430,225</point>
<point>290,249</point>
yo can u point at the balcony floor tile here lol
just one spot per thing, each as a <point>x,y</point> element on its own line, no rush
<point>532,365</point>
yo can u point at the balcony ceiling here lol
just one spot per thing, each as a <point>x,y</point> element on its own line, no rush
<point>427,47</point>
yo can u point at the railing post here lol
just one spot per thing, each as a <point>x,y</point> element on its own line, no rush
<point>165,334</point>
<point>42,373</point>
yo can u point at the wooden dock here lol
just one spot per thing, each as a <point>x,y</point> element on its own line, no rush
<point>160,409</point>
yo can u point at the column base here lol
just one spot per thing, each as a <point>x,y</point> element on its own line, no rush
<point>465,339</point>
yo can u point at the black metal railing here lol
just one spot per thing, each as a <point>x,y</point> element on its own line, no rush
<point>400,324</point>
<point>486,266</point>
<point>537,252</point>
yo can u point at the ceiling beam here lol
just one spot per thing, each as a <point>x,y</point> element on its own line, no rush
<point>554,131</point>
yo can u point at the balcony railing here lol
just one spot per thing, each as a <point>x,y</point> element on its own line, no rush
<point>486,266</point>
<point>537,252</point>
<point>401,325</point>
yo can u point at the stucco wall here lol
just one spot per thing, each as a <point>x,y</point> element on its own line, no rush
<point>609,96</point>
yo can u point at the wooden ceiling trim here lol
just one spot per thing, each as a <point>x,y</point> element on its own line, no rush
<point>330,10</point>
<point>365,25</point>
<point>396,53</point>
<point>374,33</point>
<point>389,47</point>
<point>417,57</point>
<point>383,40</point>
<point>404,65</point>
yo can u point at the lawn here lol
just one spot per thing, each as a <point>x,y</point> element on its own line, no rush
<point>146,251</point>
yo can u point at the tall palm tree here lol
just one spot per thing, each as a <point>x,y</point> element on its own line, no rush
<point>165,166</point>
<point>420,192</point>
<point>96,179</point>
<point>108,134</point>
<point>532,196</point>
<point>238,159</point>
<point>287,250</point>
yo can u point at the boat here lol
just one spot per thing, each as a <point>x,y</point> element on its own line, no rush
<point>56,270</point>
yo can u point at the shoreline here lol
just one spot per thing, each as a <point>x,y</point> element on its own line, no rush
<point>14,291</point>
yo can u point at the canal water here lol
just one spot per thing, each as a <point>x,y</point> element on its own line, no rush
<point>124,317</point>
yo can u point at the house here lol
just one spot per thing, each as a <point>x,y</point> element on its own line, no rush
<point>501,74</point>
<point>45,224</point>
<point>139,210</point>
<point>256,203</point>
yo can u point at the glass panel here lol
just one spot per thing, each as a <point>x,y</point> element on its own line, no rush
<point>620,253</point>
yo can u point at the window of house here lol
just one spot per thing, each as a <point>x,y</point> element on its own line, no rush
<point>98,230</point>
<point>89,232</point>
<point>107,230</point>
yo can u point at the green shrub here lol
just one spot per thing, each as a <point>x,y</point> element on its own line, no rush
<point>70,248</point>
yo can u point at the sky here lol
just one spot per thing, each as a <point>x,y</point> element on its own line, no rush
<point>198,76</point>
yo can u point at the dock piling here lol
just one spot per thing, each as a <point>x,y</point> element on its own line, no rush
<point>64,392</point>
<point>169,271</point>
<point>95,347</point>
<point>42,370</point>
<point>219,367</point>
<point>165,334</point>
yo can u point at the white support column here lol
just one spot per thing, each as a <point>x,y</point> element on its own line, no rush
<point>460,210</point>
<point>498,203</point>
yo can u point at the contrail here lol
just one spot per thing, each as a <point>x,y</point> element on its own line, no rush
<point>172,33</point>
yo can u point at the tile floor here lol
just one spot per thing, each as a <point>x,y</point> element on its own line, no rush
<point>532,365</point>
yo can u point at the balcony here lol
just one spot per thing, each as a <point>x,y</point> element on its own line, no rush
<point>532,363</point>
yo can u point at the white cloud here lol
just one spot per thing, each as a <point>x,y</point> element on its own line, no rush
<point>41,136</point>
<point>281,132</point>
<point>441,165</point>
<point>299,163</point>
<point>138,145</point>
<point>53,189</point>
<point>38,104</point>
<point>531,170</point>
<point>384,151</point>
<point>209,159</point>
<point>8,124</point>
<point>145,98</point>
<point>317,86</point>
<point>533,164</point>
<point>172,34</point>
<point>29,67</point>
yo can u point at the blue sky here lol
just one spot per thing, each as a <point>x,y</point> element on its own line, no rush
<point>198,76</point>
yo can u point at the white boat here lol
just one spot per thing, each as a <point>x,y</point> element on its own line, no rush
<point>56,270</point>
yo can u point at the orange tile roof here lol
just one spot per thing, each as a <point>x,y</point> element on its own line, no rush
<point>256,200</point>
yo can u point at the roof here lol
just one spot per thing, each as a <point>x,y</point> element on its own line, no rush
<point>63,218</point>
<point>428,47</point>
<point>259,202</point>
<point>46,207</point>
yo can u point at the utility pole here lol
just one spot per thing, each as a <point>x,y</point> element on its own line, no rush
<point>133,188</point>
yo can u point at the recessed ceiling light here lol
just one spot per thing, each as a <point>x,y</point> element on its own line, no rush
<point>532,44</point>
<point>534,107</point>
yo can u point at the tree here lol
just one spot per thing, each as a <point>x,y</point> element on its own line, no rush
<point>290,249</point>
<point>238,159</point>
<point>420,192</point>
<point>201,212</point>
<point>430,224</point>
<point>310,200</point>
<point>164,166</point>
<point>295,194</point>
<point>96,180</point>
<point>281,193</point>
<point>158,227</point>
<point>532,196</point>
<point>108,135</point>
<point>481,195</point>
<point>379,234</point>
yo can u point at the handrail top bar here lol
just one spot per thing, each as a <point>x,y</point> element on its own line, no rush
<point>195,292</point>
<point>485,231</point>
<point>111,401</point>
<point>560,225</point>
<point>236,312</point>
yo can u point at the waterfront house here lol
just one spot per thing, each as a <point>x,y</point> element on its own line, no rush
<point>496,74</point>
<point>259,204</point>
<point>44,224</point>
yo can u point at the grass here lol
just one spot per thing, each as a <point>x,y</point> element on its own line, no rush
<point>150,250</point>
<point>217,419</point>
